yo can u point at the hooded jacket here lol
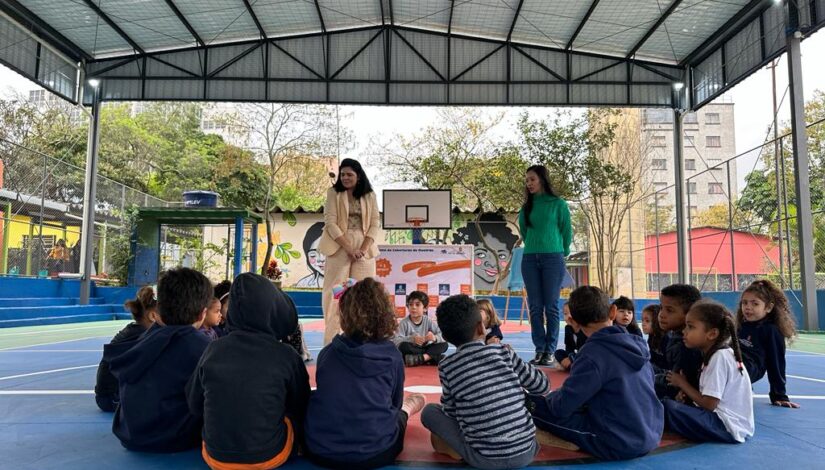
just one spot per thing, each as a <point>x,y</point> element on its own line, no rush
<point>248,381</point>
<point>106,384</point>
<point>763,350</point>
<point>152,373</point>
<point>611,382</point>
<point>353,414</point>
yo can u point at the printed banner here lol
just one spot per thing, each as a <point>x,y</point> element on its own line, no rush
<point>438,270</point>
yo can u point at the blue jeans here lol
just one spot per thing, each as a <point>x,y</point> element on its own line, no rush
<point>543,274</point>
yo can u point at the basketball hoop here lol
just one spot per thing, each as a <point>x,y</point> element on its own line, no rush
<point>416,221</point>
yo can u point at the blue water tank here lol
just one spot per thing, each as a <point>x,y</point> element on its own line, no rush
<point>200,199</point>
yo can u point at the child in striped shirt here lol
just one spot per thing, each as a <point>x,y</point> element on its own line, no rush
<point>482,418</point>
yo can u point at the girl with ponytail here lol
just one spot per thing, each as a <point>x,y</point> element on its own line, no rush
<point>724,411</point>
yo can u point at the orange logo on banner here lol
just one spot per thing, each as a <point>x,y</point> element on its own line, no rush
<point>465,289</point>
<point>401,312</point>
<point>433,301</point>
<point>383,267</point>
<point>423,287</point>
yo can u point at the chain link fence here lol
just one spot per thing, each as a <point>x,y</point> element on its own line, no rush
<point>41,202</point>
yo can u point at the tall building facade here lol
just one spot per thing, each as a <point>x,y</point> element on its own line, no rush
<point>709,139</point>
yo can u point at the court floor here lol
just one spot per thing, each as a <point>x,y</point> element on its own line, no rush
<point>48,418</point>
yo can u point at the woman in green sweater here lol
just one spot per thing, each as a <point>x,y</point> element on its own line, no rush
<point>544,221</point>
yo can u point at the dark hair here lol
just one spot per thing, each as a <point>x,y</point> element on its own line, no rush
<point>183,293</point>
<point>685,294</point>
<point>589,304</point>
<point>143,302</point>
<point>420,296</point>
<point>657,334</point>
<point>366,312</point>
<point>313,233</point>
<point>362,187</point>
<point>458,317</point>
<point>221,289</point>
<point>715,315</point>
<point>491,223</point>
<point>780,315</point>
<point>623,303</point>
<point>544,177</point>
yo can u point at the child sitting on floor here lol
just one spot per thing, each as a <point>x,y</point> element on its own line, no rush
<point>724,411</point>
<point>144,311</point>
<point>626,315</point>
<point>482,417</point>
<point>222,294</point>
<point>676,300</point>
<point>656,337</point>
<point>612,367</point>
<point>358,415</point>
<point>491,321</point>
<point>418,338</point>
<point>152,372</point>
<point>212,320</point>
<point>250,388</point>
<point>764,322</point>
<point>574,339</point>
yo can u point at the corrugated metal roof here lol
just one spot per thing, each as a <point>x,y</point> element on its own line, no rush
<point>568,52</point>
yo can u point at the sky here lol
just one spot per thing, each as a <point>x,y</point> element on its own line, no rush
<point>753,112</point>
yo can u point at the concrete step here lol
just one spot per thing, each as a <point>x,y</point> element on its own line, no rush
<point>22,313</point>
<point>13,302</point>
<point>59,320</point>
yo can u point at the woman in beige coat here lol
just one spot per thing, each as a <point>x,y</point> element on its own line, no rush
<point>351,227</point>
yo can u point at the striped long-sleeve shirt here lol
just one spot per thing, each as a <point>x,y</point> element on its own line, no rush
<point>482,388</point>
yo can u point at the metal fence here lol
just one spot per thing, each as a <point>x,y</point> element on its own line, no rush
<point>41,202</point>
<point>746,231</point>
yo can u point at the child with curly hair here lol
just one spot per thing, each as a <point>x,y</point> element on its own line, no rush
<point>764,323</point>
<point>358,414</point>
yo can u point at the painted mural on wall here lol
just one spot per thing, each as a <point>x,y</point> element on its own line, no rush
<point>500,239</point>
<point>296,236</point>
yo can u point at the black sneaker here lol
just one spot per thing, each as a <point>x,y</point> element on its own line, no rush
<point>437,349</point>
<point>547,360</point>
<point>412,360</point>
<point>437,358</point>
<point>537,360</point>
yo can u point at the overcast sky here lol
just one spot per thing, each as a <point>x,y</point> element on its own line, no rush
<point>752,111</point>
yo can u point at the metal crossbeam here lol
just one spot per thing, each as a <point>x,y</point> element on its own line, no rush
<point>581,24</point>
<point>103,16</point>
<point>185,22</point>
<point>26,18</point>
<point>255,18</point>
<point>653,29</point>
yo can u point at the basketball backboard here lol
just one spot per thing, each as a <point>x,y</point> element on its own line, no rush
<point>417,208</point>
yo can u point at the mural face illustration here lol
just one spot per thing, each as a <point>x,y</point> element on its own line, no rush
<point>486,260</point>
<point>315,259</point>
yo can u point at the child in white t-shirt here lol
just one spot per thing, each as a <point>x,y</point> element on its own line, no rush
<point>724,411</point>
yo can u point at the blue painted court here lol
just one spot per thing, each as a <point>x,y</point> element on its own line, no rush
<point>48,418</point>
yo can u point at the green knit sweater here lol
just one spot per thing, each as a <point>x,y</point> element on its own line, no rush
<point>550,230</point>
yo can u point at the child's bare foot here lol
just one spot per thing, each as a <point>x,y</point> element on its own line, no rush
<point>547,439</point>
<point>443,448</point>
<point>413,403</point>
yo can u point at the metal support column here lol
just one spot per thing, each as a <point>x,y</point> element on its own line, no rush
<point>682,248</point>
<point>89,200</point>
<point>253,247</point>
<point>238,247</point>
<point>802,180</point>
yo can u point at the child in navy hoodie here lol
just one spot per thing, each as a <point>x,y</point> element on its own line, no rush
<point>357,417</point>
<point>258,423</point>
<point>626,315</point>
<point>611,367</point>
<point>153,415</point>
<point>764,321</point>
<point>574,339</point>
<point>144,310</point>
<point>676,300</point>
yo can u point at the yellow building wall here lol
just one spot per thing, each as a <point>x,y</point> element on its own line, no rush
<point>19,226</point>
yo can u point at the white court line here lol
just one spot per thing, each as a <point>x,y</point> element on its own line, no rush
<point>40,332</point>
<point>47,392</point>
<point>805,378</point>
<point>50,343</point>
<point>797,397</point>
<point>42,372</point>
<point>53,351</point>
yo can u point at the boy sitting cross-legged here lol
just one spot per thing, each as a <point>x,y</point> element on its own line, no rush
<point>482,417</point>
<point>612,367</point>
<point>418,338</point>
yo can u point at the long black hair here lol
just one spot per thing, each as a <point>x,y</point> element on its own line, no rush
<point>544,177</point>
<point>362,187</point>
